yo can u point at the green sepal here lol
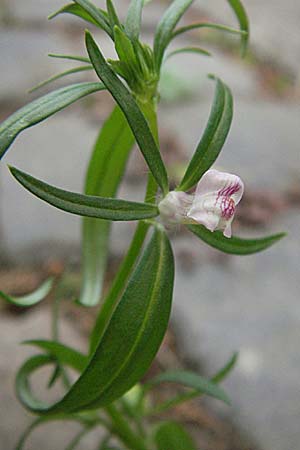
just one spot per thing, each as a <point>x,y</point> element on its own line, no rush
<point>129,344</point>
<point>130,108</point>
<point>41,109</point>
<point>85,205</point>
<point>234,245</point>
<point>30,299</point>
<point>213,138</point>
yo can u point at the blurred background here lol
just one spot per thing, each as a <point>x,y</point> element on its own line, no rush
<point>222,303</point>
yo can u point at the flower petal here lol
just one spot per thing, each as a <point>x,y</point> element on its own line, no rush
<point>220,183</point>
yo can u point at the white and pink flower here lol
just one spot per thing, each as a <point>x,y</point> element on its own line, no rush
<point>213,204</point>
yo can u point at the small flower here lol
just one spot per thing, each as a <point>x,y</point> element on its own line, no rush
<point>213,204</point>
<point>216,197</point>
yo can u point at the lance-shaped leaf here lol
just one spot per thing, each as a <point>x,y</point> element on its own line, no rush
<point>78,11</point>
<point>134,116</point>
<point>129,344</point>
<point>105,171</point>
<point>41,109</point>
<point>241,15</point>
<point>30,299</point>
<point>133,19</point>
<point>213,139</point>
<point>191,380</point>
<point>234,245</point>
<point>85,205</point>
<point>69,57</point>
<point>172,435</point>
<point>164,30</point>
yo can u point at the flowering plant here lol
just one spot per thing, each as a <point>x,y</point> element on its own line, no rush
<point>134,315</point>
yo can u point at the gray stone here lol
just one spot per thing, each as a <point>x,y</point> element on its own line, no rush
<point>274,27</point>
<point>249,304</point>
<point>262,146</point>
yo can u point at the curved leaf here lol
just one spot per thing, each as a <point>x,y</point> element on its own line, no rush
<point>241,15</point>
<point>69,57</point>
<point>75,10</point>
<point>103,177</point>
<point>133,19</point>
<point>88,12</point>
<point>171,436</point>
<point>214,26</point>
<point>41,109</point>
<point>213,139</point>
<point>85,205</point>
<point>30,299</point>
<point>164,30</point>
<point>197,50</point>
<point>62,353</point>
<point>96,13</point>
<point>234,245</point>
<point>191,394</point>
<point>191,380</point>
<point>134,116</point>
<point>129,343</point>
<point>61,75</point>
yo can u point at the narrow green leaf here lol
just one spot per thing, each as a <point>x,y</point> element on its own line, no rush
<point>85,205</point>
<point>61,75</point>
<point>134,116</point>
<point>70,57</point>
<point>164,30</point>
<point>213,26</point>
<point>241,15</point>
<point>105,171</point>
<point>30,299</point>
<point>133,19</point>
<point>130,341</point>
<point>213,139</point>
<point>97,14</point>
<point>41,109</point>
<point>78,11</point>
<point>191,380</point>
<point>194,393</point>
<point>62,353</point>
<point>196,50</point>
<point>234,245</point>
<point>171,436</point>
<point>113,16</point>
<point>224,371</point>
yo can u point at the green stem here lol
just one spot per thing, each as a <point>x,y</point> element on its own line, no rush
<point>111,300</point>
<point>123,431</point>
